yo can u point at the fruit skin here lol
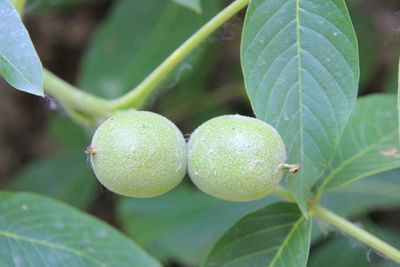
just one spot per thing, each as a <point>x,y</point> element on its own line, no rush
<point>236,158</point>
<point>138,154</point>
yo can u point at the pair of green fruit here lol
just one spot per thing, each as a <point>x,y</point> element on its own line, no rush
<point>143,154</point>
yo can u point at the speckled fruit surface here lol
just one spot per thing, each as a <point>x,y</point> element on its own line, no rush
<point>138,154</point>
<point>236,158</point>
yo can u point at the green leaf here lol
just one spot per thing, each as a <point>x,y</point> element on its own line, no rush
<point>390,236</point>
<point>356,200</point>
<point>351,254</point>
<point>276,235</point>
<point>164,224</point>
<point>300,65</point>
<point>195,5</point>
<point>67,177</point>
<point>19,63</point>
<point>377,192</point>
<point>368,144</point>
<point>134,39</point>
<point>37,231</point>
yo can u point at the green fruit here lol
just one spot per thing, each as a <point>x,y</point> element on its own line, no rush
<point>138,154</point>
<point>236,158</point>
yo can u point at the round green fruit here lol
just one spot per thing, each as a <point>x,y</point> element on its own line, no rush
<point>236,158</point>
<point>138,154</point>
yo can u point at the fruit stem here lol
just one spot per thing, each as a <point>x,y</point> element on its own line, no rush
<point>282,192</point>
<point>138,96</point>
<point>293,168</point>
<point>73,98</point>
<point>79,117</point>
<point>356,232</point>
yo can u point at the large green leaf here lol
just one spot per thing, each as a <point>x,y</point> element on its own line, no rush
<point>351,254</point>
<point>37,231</point>
<point>369,143</point>
<point>300,64</point>
<point>19,63</point>
<point>67,177</point>
<point>134,39</point>
<point>164,224</point>
<point>379,191</point>
<point>191,4</point>
<point>276,235</point>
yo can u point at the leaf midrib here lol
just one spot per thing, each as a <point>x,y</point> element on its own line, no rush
<point>263,230</point>
<point>50,245</point>
<point>285,241</point>
<point>299,70</point>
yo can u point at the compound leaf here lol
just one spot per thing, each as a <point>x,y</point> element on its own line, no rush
<point>276,235</point>
<point>38,231</point>
<point>369,143</point>
<point>19,63</point>
<point>300,65</point>
<point>376,192</point>
<point>163,224</point>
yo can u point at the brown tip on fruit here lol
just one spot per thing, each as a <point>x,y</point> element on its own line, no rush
<point>89,150</point>
<point>292,168</point>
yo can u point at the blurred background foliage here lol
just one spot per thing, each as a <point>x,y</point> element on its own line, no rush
<point>107,47</point>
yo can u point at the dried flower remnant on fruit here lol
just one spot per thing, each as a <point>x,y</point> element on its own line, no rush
<point>89,150</point>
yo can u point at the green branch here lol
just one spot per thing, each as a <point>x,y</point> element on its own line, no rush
<point>346,226</point>
<point>73,98</point>
<point>356,232</point>
<point>137,97</point>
